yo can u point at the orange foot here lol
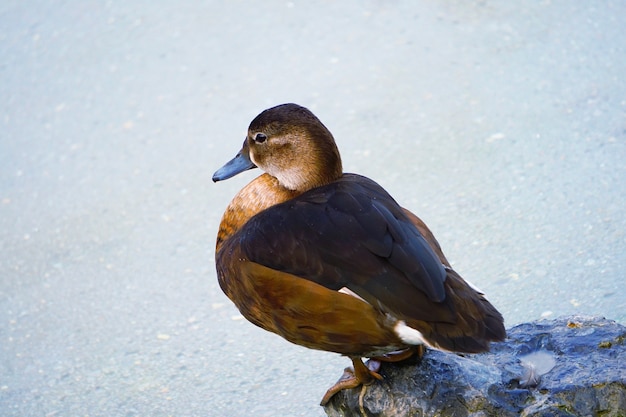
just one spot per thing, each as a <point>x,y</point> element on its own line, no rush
<point>365,374</point>
<point>362,374</point>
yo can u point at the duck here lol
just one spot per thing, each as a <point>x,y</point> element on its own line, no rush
<point>330,261</point>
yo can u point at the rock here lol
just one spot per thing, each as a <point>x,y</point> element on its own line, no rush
<point>572,366</point>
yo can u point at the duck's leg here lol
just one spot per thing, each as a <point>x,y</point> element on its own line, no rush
<point>418,350</point>
<point>353,377</point>
<point>365,374</point>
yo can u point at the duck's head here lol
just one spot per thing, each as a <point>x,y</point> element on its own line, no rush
<point>289,143</point>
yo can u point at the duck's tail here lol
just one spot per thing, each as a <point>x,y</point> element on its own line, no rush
<point>477,320</point>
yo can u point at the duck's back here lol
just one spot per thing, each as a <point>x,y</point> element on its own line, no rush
<point>351,235</point>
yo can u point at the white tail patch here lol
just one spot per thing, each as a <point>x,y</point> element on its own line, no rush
<point>408,334</point>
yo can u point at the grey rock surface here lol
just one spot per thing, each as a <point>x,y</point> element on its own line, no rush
<point>571,366</point>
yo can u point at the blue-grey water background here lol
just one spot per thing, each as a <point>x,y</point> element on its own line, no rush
<point>502,124</point>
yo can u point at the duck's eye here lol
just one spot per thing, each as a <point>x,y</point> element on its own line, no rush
<point>260,138</point>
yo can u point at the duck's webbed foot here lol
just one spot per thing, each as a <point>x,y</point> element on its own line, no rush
<point>365,374</point>
<point>361,374</point>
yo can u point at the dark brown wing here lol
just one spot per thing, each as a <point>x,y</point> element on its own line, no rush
<point>351,233</point>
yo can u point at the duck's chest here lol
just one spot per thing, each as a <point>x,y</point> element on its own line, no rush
<point>233,268</point>
<point>260,194</point>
